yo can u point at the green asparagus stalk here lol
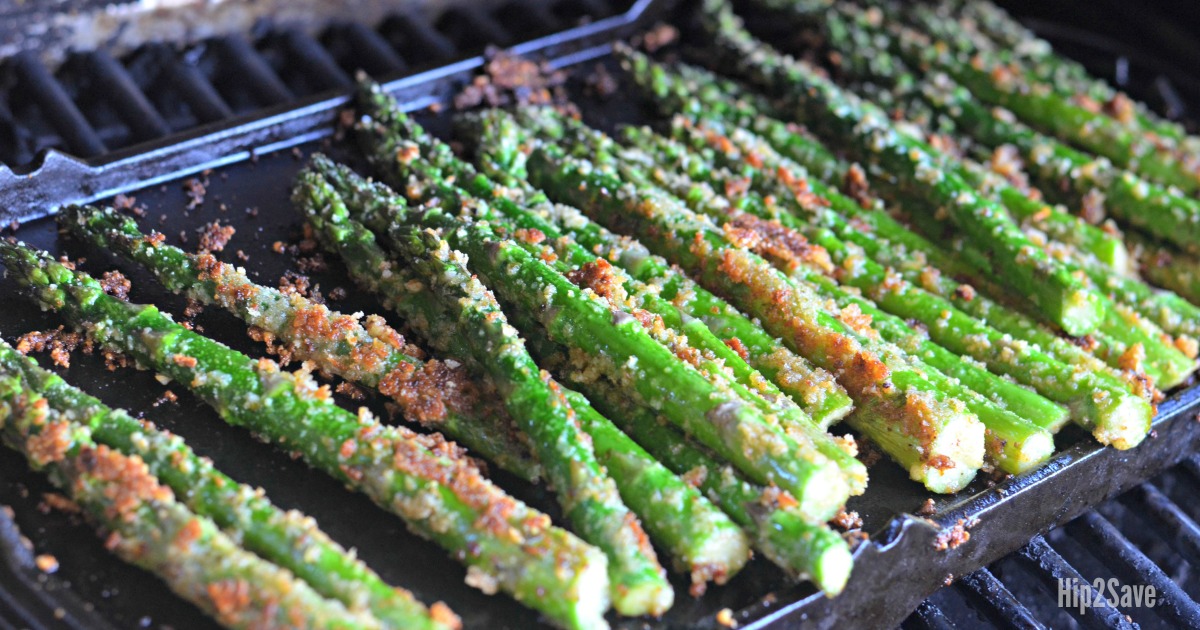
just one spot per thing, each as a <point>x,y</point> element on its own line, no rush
<point>1122,418</point>
<point>496,127</point>
<point>587,494</point>
<point>694,532</point>
<point>288,539</point>
<point>622,350</point>
<point>1058,295</point>
<point>813,389</point>
<point>1168,267</point>
<point>368,352</point>
<point>885,386</point>
<point>767,514</point>
<point>671,92</point>
<point>991,80</point>
<point>425,480</point>
<point>147,527</point>
<point>993,31</point>
<point>1163,212</point>
<point>1115,332</point>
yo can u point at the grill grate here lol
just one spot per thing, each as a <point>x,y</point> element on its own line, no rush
<point>94,103</point>
<point>1146,537</point>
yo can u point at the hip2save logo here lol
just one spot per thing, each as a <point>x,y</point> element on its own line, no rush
<point>1078,593</point>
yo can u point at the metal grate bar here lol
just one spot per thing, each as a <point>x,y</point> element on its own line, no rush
<point>471,30</point>
<point>371,51</point>
<point>36,81</point>
<point>202,98</point>
<point>252,71</point>
<point>13,136</point>
<point>1055,570</point>
<point>1147,498</point>
<point>928,616</point>
<point>416,38</point>
<point>314,61</point>
<point>110,81</point>
<point>1131,566</point>
<point>983,587</point>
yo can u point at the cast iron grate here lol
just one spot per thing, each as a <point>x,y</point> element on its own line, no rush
<point>93,103</point>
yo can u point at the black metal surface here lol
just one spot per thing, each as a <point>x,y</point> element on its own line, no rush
<point>894,572</point>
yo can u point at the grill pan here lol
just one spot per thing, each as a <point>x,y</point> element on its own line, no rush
<point>248,164</point>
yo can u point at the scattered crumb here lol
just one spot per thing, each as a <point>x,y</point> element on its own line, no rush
<point>115,284</point>
<point>56,501</point>
<point>510,79</point>
<point>243,256</point>
<point>953,537</point>
<point>195,188</point>
<point>847,520</point>
<point>927,508</point>
<point>59,342</point>
<point>114,360</point>
<point>167,397</point>
<point>662,34</point>
<point>868,452</point>
<point>725,618</point>
<point>312,264</point>
<point>214,236</point>
<point>337,294</point>
<point>350,390</point>
<point>46,563</point>
<point>294,283</point>
<point>949,579</point>
<point>278,247</point>
<point>297,153</point>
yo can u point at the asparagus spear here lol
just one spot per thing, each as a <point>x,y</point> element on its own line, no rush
<point>671,92</point>
<point>780,531</point>
<point>587,494</point>
<point>1058,295</point>
<point>1168,267</point>
<point>425,480</point>
<point>621,349</point>
<point>990,79</point>
<point>367,351</point>
<point>691,529</point>
<point>994,31</point>
<point>496,128</point>
<point>1116,331</point>
<point>885,387</point>
<point>1120,417</point>
<point>147,527</point>
<point>814,389</point>
<point>288,539</point>
<point>1163,212</point>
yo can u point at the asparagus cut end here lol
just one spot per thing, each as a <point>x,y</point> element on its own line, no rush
<point>590,594</point>
<point>650,597</point>
<point>721,557</point>
<point>1018,456</point>
<point>832,569</point>
<point>824,493</point>
<point>1081,312</point>
<point>953,458</point>
<point>1124,423</point>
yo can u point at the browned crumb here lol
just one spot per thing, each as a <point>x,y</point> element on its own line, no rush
<point>114,360</point>
<point>662,34</point>
<point>857,186</point>
<point>847,520</point>
<point>725,618</point>
<point>59,342</point>
<point>600,276</point>
<point>278,247</point>
<point>243,256</point>
<point>1187,346</point>
<point>737,346</point>
<point>1132,358</point>
<point>964,292</point>
<point>953,537</point>
<point>337,294</point>
<point>927,508</point>
<point>115,284</point>
<point>167,397</point>
<point>195,188</point>
<point>350,390</point>
<point>311,264</point>
<point>509,79</point>
<point>442,614</point>
<point>56,501</point>
<point>214,237</point>
<point>46,563</point>
<point>294,283</point>
<point>949,579</point>
<point>868,453</point>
